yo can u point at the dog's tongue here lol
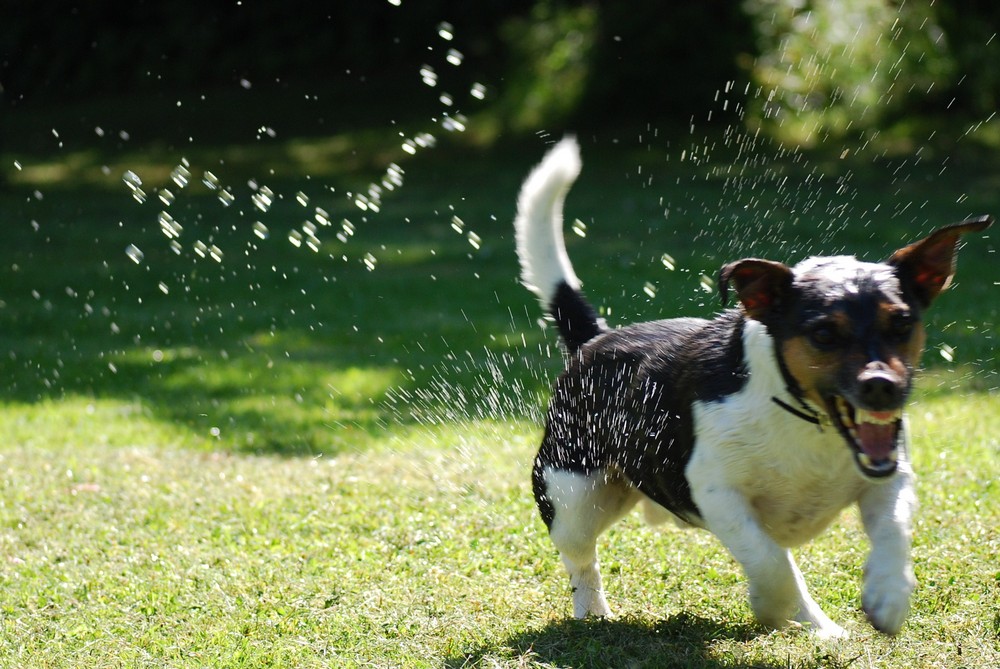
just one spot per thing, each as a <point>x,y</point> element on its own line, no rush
<point>877,434</point>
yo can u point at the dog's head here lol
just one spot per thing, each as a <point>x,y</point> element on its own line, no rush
<point>848,334</point>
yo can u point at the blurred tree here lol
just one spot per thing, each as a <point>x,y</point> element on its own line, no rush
<point>837,66</point>
<point>817,67</point>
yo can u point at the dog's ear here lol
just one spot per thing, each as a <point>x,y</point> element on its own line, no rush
<point>761,285</point>
<point>926,266</point>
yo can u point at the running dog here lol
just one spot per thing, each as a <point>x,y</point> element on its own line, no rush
<point>759,425</point>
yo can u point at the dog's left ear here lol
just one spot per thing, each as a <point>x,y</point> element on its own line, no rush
<point>926,267</point>
<point>760,285</point>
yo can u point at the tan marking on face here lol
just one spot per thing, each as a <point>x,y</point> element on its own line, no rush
<point>900,356</point>
<point>812,369</point>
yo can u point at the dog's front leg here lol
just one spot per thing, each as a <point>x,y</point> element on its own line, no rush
<point>887,512</point>
<point>778,591</point>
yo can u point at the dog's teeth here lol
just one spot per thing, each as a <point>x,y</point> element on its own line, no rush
<point>878,417</point>
<point>845,411</point>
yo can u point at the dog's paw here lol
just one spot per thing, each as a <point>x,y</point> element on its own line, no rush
<point>589,602</point>
<point>886,600</point>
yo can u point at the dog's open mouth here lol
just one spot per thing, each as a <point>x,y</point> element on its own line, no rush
<point>872,435</point>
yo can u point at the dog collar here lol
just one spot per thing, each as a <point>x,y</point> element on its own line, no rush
<point>806,413</point>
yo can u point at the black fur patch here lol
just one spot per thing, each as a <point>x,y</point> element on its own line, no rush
<point>625,403</point>
<point>577,321</point>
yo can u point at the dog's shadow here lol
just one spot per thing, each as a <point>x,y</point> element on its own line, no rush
<point>682,640</point>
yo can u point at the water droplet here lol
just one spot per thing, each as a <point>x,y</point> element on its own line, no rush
<point>346,231</point>
<point>475,240</point>
<point>180,175</point>
<point>579,228</point>
<point>164,288</point>
<point>134,184</point>
<point>428,75</point>
<point>134,253</point>
<point>478,91</point>
<point>454,57</point>
<point>370,261</point>
<point>166,197</point>
<point>322,217</point>
<point>171,228</point>
<point>302,199</point>
<point>17,166</point>
<point>947,352</point>
<point>263,198</point>
<point>210,180</point>
<point>706,283</point>
<point>456,123</point>
<point>176,247</point>
<point>446,100</point>
<point>668,261</point>
<point>295,237</point>
<point>201,248</point>
<point>446,31</point>
<point>260,230</point>
<point>226,197</point>
<point>457,224</point>
<point>215,252</point>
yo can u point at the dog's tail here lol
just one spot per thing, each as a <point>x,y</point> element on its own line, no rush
<point>545,266</point>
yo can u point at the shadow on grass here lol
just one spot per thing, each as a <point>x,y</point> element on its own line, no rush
<point>682,640</point>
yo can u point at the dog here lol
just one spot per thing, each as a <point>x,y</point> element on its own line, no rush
<point>759,425</point>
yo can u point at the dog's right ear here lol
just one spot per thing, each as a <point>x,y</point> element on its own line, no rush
<point>760,285</point>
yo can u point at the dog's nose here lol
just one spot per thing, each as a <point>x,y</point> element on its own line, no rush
<point>881,389</point>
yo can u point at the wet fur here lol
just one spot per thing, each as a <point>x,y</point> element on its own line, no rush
<point>680,414</point>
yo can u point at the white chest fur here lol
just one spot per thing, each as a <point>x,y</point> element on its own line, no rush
<point>795,476</point>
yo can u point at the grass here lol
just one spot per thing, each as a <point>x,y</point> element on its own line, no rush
<point>287,457</point>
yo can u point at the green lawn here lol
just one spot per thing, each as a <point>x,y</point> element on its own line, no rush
<point>237,450</point>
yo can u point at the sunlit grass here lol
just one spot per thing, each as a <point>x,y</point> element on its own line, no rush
<point>294,458</point>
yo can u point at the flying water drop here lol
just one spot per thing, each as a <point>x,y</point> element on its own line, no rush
<point>668,261</point>
<point>428,75</point>
<point>260,230</point>
<point>579,228</point>
<point>134,184</point>
<point>446,31</point>
<point>263,198</point>
<point>134,253</point>
<point>180,175</point>
<point>170,227</point>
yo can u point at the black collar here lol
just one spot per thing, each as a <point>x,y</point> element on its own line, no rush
<point>806,413</point>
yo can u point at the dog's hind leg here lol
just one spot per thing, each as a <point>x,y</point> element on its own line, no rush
<point>582,507</point>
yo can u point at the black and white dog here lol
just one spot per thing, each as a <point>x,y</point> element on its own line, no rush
<point>759,425</point>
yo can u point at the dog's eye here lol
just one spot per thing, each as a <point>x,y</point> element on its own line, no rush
<point>900,328</point>
<point>824,336</point>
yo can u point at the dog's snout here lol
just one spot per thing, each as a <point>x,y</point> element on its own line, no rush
<point>880,389</point>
